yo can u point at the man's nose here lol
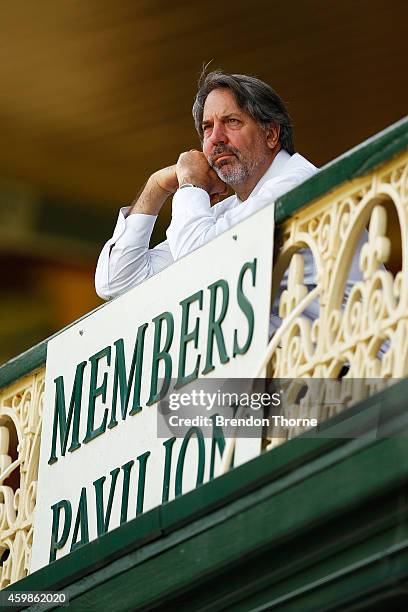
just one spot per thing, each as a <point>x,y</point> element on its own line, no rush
<point>218,133</point>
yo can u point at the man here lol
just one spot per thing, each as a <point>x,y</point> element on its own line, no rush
<point>247,145</point>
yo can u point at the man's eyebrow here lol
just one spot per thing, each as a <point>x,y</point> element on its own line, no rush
<point>226,116</point>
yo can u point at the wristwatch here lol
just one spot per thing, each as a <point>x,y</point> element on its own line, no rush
<point>191,185</point>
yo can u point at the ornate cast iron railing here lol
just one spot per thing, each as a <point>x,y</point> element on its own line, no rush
<point>360,333</point>
<point>20,430</point>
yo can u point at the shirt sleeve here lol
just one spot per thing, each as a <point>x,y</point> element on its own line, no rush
<point>195,223</point>
<point>126,260</point>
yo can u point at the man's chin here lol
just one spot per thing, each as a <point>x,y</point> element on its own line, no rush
<point>229,174</point>
<point>227,166</point>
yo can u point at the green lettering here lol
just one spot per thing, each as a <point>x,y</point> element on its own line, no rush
<point>94,392</point>
<point>218,441</point>
<point>161,355</point>
<point>61,421</point>
<point>81,522</point>
<point>124,385</point>
<point>56,544</point>
<point>142,459</point>
<point>214,324</point>
<point>246,307</point>
<point>186,337</point>
<point>180,462</point>
<point>168,445</point>
<point>125,490</point>
<point>102,517</point>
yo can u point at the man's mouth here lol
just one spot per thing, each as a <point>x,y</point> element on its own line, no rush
<point>223,158</point>
<point>226,156</point>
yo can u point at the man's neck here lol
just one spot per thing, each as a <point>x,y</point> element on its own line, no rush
<point>244,191</point>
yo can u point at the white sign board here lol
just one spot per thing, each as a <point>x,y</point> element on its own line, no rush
<point>101,461</point>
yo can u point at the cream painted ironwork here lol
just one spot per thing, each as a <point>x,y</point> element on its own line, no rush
<point>20,426</point>
<point>360,334</point>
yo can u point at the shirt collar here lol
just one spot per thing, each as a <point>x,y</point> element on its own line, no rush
<point>275,169</point>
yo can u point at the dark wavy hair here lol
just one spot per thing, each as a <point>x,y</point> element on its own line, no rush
<point>254,96</point>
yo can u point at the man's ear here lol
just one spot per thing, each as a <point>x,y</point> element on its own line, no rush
<point>272,135</point>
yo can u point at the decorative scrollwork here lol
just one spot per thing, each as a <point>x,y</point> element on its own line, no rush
<point>361,329</point>
<point>20,426</point>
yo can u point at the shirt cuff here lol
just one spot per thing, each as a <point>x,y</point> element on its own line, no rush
<point>191,201</point>
<point>138,230</point>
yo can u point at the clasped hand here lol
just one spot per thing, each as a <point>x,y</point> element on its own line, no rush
<point>192,167</point>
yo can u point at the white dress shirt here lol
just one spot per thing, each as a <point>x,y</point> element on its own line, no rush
<point>126,260</point>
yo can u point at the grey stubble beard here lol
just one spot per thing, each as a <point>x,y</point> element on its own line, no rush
<point>237,173</point>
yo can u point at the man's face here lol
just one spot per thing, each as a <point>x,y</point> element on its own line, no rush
<point>235,145</point>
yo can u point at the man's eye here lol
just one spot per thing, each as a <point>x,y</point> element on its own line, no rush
<point>232,120</point>
<point>206,128</point>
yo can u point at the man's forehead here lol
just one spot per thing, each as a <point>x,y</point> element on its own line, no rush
<point>220,102</point>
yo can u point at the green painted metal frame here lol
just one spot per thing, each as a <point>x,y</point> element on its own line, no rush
<point>356,162</point>
<point>256,538</point>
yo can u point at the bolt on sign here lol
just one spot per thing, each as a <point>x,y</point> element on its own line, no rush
<point>102,462</point>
